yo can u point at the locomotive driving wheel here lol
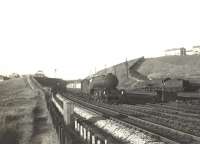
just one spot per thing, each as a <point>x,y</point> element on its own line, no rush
<point>123,97</point>
<point>105,96</point>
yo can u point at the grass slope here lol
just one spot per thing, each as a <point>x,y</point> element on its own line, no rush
<point>171,66</point>
<point>19,108</point>
<point>121,72</point>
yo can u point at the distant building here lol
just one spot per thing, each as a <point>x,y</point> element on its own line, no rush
<point>1,78</point>
<point>14,75</point>
<point>176,51</point>
<point>39,74</point>
<point>196,50</point>
<point>189,52</point>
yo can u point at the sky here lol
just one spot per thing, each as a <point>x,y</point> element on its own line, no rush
<point>76,36</point>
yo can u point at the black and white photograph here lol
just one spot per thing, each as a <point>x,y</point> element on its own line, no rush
<point>100,72</point>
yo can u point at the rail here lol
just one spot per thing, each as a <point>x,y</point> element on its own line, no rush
<point>134,121</point>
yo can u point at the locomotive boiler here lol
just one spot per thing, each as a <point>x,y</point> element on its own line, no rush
<point>103,88</point>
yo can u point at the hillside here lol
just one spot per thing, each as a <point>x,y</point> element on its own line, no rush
<point>155,68</point>
<point>171,66</point>
<point>121,71</point>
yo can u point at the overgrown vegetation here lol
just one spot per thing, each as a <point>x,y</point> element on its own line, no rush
<point>23,114</point>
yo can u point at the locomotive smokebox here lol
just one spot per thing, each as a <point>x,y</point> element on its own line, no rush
<point>108,81</point>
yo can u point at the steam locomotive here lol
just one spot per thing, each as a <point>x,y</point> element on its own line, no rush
<point>102,89</point>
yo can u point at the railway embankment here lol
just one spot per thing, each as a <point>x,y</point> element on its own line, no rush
<point>24,117</point>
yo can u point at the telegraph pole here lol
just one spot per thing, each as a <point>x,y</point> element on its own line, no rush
<point>115,70</point>
<point>55,71</point>
<point>126,65</point>
<point>105,69</point>
<point>163,91</point>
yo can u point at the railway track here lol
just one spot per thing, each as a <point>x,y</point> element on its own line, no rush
<point>165,113</point>
<point>178,109</point>
<point>172,124</point>
<point>163,132</point>
<point>184,124</point>
<point>169,111</point>
<point>182,106</point>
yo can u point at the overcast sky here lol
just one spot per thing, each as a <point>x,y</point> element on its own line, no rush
<point>76,36</point>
